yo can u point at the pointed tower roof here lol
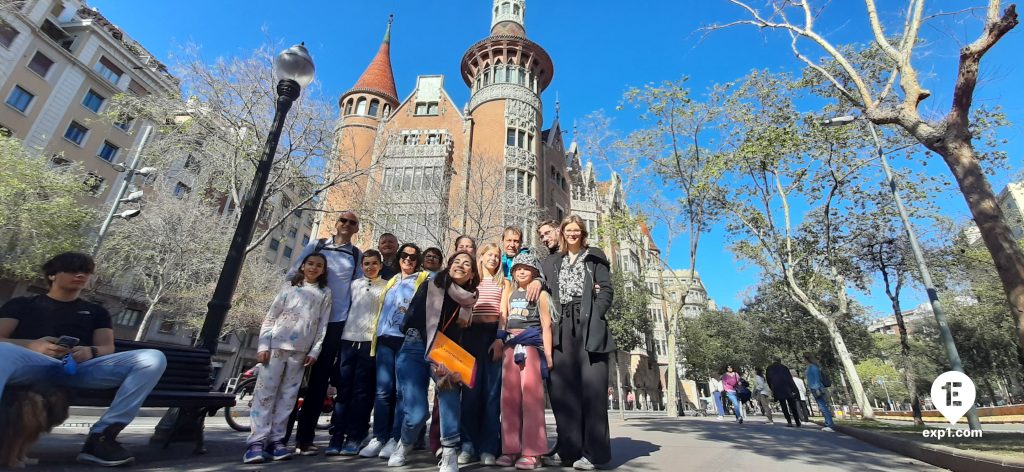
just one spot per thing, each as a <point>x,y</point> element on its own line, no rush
<point>378,76</point>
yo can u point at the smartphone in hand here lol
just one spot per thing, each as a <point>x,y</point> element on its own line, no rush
<point>67,342</point>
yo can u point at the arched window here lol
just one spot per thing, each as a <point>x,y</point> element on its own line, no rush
<point>495,9</point>
<point>499,74</point>
<point>374,106</point>
<point>505,7</point>
<point>361,106</point>
<point>515,10</point>
<point>348,107</point>
<point>487,76</point>
<point>387,111</point>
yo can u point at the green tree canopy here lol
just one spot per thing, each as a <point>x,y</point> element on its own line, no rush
<point>43,210</point>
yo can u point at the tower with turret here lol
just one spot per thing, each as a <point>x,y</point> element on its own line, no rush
<point>506,74</point>
<point>363,110</point>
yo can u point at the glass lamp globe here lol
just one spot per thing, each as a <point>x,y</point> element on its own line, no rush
<point>295,63</point>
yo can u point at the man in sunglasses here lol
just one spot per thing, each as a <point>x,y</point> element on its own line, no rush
<point>344,265</point>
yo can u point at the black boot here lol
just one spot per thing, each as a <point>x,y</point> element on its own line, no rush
<point>103,448</point>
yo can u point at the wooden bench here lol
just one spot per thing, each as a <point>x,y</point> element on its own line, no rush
<point>186,386</point>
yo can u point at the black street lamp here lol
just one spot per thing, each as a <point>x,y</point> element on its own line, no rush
<point>294,70</point>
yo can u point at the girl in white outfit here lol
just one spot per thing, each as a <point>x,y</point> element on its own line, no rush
<point>290,340</point>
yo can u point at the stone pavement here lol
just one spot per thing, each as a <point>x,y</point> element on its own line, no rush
<point>651,443</point>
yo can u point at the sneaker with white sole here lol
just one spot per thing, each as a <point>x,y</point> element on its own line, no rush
<point>583,464</point>
<point>388,449</point>
<point>449,460</point>
<point>253,454</point>
<point>466,457</point>
<point>827,429</point>
<point>400,455</point>
<point>488,459</point>
<point>372,449</point>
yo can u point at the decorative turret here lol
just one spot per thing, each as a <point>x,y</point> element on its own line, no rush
<point>508,18</point>
<point>374,95</point>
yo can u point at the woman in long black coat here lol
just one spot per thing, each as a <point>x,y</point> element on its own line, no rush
<point>784,390</point>
<point>580,283</point>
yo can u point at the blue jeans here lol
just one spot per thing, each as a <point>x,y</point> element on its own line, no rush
<point>387,415</point>
<point>481,405</point>
<point>133,373</point>
<point>413,378</point>
<point>357,376</point>
<point>718,402</point>
<point>735,404</point>
<point>823,405</point>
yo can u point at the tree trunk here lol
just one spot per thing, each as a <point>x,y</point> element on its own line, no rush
<point>846,360</point>
<point>905,360</point>
<point>618,387</point>
<point>671,383</point>
<point>146,320</point>
<point>961,157</point>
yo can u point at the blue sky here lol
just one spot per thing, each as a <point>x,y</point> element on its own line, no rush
<point>599,47</point>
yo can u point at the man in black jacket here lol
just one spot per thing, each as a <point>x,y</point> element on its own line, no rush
<point>784,390</point>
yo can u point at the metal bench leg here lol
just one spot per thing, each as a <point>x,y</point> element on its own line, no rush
<point>200,425</point>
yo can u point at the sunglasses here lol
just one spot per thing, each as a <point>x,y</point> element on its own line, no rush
<point>346,221</point>
<point>406,255</point>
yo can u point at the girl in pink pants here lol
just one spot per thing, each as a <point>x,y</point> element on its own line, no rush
<point>526,328</point>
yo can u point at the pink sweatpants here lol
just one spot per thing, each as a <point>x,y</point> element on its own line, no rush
<point>522,405</point>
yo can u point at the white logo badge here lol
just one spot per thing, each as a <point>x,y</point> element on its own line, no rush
<point>953,394</point>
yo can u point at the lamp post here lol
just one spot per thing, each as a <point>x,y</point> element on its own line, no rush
<point>294,69</point>
<point>130,171</point>
<point>926,276</point>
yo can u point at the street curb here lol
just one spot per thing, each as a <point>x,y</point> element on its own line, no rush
<point>99,411</point>
<point>945,457</point>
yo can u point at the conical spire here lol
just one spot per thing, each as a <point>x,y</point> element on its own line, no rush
<point>378,76</point>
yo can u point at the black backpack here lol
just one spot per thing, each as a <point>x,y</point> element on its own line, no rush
<point>321,245</point>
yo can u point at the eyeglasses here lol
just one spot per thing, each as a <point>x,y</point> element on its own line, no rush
<point>346,221</point>
<point>573,231</point>
<point>432,256</point>
<point>406,256</point>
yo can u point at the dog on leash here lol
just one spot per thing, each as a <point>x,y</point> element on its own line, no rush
<point>27,413</point>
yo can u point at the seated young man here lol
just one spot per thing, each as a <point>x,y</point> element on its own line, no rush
<point>30,328</point>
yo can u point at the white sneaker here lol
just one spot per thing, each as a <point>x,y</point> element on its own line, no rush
<point>371,449</point>
<point>388,449</point>
<point>449,460</point>
<point>466,458</point>
<point>827,429</point>
<point>398,456</point>
<point>488,459</point>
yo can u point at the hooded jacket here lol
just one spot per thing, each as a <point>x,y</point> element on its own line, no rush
<point>595,303</point>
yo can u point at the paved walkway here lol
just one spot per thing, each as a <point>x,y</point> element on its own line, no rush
<point>638,444</point>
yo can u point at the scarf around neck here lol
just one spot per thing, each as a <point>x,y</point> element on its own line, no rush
<point>435,302</point>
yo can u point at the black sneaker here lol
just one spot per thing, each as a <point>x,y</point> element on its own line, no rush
<point>103,449</point>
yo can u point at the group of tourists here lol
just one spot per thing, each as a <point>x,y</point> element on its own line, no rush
<point>778,383</point>
<point>377,323</point>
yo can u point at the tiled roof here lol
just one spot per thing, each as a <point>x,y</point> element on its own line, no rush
<point>378,76</point>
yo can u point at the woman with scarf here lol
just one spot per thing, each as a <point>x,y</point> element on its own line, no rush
<point>443,305</point>
<point>578,276</point>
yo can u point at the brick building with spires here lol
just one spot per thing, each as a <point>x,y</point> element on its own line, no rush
<point>432,169</point>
